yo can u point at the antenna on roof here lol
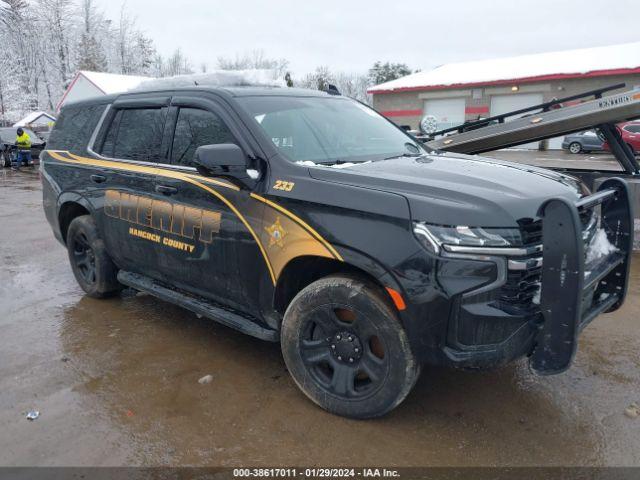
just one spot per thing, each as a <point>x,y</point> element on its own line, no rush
<point>332,89</point>
<point>195,82</point>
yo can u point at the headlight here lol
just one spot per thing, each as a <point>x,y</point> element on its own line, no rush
<point>433,236</point>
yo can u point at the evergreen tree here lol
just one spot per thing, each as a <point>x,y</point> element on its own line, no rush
<point>385,72</point>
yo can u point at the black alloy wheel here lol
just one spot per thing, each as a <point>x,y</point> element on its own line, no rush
<point>343,352</point>
<point>84,258</point>
<point>345,347</point>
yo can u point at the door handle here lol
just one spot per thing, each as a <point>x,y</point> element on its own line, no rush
<point>166,190</point>
<point>98,178</point>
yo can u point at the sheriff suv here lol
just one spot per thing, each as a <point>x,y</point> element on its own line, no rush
<point>307,218</point>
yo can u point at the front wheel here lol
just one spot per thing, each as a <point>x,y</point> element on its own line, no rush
<point>5,160</point>
<point>345,348</point>
<point>93,268</point>
<point>575,147</point>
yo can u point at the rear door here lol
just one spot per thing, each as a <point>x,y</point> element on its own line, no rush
<point>130,148</point>
<point>591,141</point>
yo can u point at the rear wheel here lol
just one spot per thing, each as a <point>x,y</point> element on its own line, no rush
<point>5,161</point>
<point>93,268</point>
<point>575,147</point>
<point>346,349</point>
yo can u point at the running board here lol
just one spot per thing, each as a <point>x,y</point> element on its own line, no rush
<point>198,305</point>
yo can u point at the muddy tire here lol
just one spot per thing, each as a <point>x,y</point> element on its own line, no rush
<point>93,268</point>
<point>5,161</point>
<point>345,347</point>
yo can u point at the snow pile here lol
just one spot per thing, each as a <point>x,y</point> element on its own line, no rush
<point>599,247</point>
<point>580,61</point>
<point>112,83</point>
<point>32,117</point>
<point>218,78</point>
<point>536,297</point>
<point>309,163</point>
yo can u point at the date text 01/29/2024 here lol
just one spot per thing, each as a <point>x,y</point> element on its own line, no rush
<point>315,473</point>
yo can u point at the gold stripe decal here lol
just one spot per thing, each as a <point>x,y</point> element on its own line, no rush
<point>301,222</point>
<point>286,237</point>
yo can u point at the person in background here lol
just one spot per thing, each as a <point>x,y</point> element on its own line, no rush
<point>23,142</point>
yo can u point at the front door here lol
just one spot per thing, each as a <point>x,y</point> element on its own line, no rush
<point>203,233</point>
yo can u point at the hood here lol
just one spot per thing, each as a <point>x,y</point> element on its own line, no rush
<point>455,189</point>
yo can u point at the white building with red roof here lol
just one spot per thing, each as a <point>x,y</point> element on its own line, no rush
<point>91,84</point>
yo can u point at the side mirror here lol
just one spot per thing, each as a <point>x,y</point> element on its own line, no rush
<point>224,159</point>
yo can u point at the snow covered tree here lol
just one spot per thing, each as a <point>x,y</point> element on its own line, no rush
<point>43,43</point>
<point>56,20</point>
<point>385,72</point>
<point>177,64</point>
<point>89,50</point>
<point>318,79</point>
<point>349,84</point>
<point>23,47</point>
<point>255,59</point>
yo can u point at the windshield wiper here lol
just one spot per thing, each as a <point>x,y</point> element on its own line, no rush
<point>405,154</point>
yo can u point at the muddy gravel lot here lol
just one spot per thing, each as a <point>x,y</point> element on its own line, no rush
<point>116,383</point>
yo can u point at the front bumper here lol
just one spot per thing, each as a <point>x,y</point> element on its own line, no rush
<point>571,296</point>
<point>536,300</point>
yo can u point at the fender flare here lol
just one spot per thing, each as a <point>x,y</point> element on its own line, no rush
<point>370,266</point>
<point>72,197</point>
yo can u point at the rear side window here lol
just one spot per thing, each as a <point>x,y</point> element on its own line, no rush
<point>632,128</point>
<point>195,128</point>
<point>74,127</point>
<point>135,134</point>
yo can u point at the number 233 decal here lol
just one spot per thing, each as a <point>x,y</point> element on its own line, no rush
<point>282,185</point>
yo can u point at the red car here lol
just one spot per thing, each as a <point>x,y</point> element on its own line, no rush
<point>630,132</point>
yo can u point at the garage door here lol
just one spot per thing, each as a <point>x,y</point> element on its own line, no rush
<point>506,103</point>
<point>448,111</point>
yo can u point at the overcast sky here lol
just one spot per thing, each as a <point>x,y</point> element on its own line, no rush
<point>350,35</point>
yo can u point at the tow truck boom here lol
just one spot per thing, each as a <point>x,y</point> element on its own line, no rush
<point>549,120</point>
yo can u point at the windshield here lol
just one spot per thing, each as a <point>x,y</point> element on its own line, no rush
<point>328,130</point>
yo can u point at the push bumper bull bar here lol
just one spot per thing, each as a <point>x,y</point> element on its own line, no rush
<point>571,296</point>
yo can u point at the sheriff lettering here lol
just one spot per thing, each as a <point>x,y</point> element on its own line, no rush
<point>173,218</point>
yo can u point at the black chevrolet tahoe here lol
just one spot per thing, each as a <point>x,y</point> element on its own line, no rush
<point>307,218</point>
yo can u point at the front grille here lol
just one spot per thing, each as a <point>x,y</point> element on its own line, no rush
<point>520,294</point>
<point>531,232</point>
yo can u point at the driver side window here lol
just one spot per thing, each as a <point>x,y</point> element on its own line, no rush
<point>194,128</point>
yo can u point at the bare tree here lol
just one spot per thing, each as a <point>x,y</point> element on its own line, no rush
<point>349,84</point>
<point>177,64</point>
<point>255,59</point>
<point>44,42</point>
<point>55,19</point>
<point>90,53</point>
